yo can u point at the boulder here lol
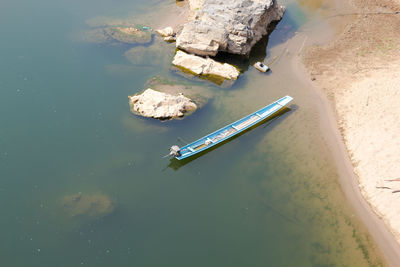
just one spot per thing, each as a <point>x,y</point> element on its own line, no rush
<point>168,34</point>
<point>168,31</point>
<point>205,66</point>
<point>160,105</point>
<point>228,26</point>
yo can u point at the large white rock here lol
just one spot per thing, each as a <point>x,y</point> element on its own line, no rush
<point>205,66</point>
<point>160,105</point>
<point>229,26</point>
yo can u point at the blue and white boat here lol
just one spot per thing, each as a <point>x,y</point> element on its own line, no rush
<point>228,131</point>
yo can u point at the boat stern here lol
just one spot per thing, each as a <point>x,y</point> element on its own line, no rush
<point>175,151</point>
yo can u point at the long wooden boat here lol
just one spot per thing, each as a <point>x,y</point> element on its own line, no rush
<point>228,131</point>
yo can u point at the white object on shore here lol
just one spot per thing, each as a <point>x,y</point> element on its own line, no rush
<point>261,66</point>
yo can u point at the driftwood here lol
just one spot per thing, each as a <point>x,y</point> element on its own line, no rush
<point>384,185</point>
<point>393,180</point>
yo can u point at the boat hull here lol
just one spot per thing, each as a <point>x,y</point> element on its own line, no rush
<point>232,129</point>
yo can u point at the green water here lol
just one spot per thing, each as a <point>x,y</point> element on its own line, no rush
<point>268,198</point>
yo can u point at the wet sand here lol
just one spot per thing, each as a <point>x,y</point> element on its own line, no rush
<point>358,73</point>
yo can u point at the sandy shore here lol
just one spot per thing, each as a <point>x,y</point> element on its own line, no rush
<point>359,72</point>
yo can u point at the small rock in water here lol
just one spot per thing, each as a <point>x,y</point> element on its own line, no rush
<point>166,32</point>
<point>170,38</point>
<point>160,105</point>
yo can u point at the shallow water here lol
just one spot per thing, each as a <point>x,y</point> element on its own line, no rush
<point>269,197</point>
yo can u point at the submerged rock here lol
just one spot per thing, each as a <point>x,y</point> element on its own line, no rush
<point>160,105</point>
<point>228,26</point>
<point>116,31</point>
<point>96,205</point>
<point>129,35</point>
<point>205,66</point>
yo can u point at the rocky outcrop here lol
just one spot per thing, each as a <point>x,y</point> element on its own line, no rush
<point>160,105</point>
<point>228,26</point>
<point>205,66</point>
